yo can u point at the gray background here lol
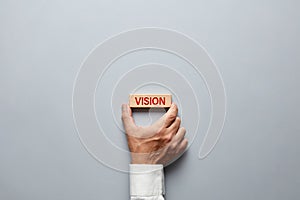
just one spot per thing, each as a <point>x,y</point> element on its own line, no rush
<point>255,45</point>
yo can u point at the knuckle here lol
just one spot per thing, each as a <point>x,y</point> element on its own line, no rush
<point>183,129</point>
<point>168,138</point>
<point>124,117</point>
<point>185,142</point>
<point>173,145</point>
<point>175,108</point>
<point>172,115</point>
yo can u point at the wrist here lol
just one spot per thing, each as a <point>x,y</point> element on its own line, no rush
<point>142,158</point>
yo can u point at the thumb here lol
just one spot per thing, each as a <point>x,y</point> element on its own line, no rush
<point>127,118</point>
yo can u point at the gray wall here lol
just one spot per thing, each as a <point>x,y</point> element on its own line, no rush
<point>255,45</point>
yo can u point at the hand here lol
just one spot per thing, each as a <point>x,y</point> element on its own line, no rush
<point>159,143</point>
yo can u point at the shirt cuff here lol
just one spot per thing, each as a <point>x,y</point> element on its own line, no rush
<point>146,180</point>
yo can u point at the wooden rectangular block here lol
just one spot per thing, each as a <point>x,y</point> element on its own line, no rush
<point>150,100</point>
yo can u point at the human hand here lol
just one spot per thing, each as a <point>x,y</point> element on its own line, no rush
<point>159,143</point>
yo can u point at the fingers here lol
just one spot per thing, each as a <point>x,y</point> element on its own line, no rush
<point>175,125</point>
<point>170,116</point>
<point>180,135</point>
<point>167,119</point>
<point>178,144</point>
<point>180,141</point>
<point>183,145</point>
<point>127,118</point>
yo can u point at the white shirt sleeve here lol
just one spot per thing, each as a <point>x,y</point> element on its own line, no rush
<point>146,182</point>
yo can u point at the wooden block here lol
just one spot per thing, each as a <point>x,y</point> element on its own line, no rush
<point>150,100</point>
